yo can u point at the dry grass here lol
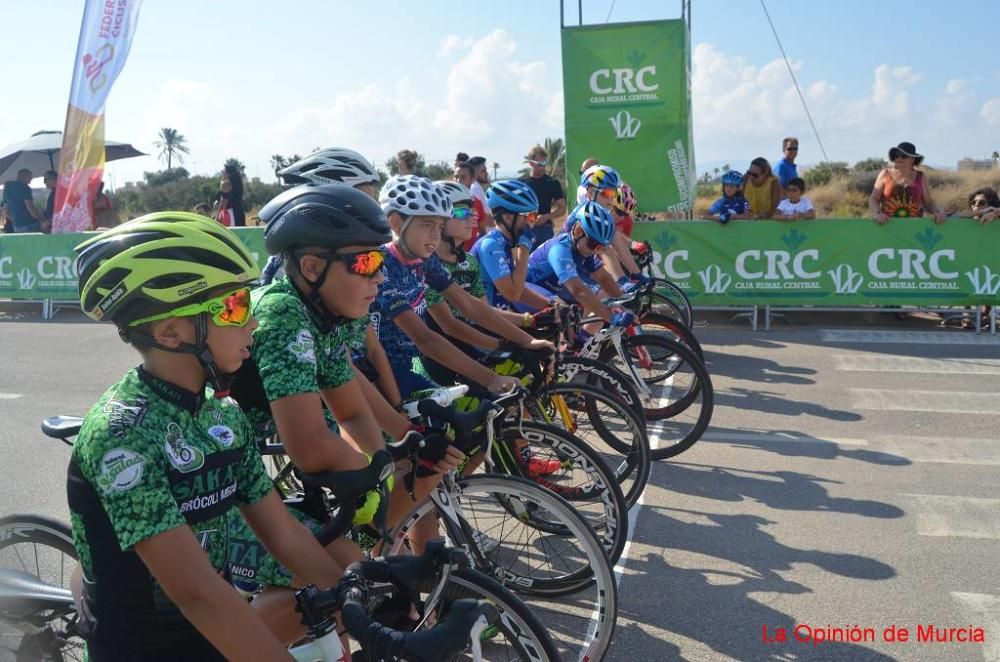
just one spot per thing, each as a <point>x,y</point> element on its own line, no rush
<point>847,197</point>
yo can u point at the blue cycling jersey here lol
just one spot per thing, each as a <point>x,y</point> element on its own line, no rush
<point>571,217</point>
<point>556,261</point>
<point>404,288</point>
<point>496,261</point>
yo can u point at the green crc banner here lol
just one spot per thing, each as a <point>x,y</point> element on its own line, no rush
<point>43,266</point>
<point>829,262</point>
<point>627,94</point>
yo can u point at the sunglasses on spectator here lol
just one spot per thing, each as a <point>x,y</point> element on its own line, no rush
<point>755,175</point>
<point>539,164</point>
<point>980,202</point>
<point>462,213</point>
<point>231,309</point>
<point>792,148</point>
<point>365,263</point>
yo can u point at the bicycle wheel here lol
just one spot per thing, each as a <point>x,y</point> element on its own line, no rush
<point>667,295</point>
<point>582,370</point>
<point>492,516</point>
<point>582,478</point>
<point>42,547</point>
<point>654,324</point>
<point>679,407</point>
<point>605,424</point>
<point>521,636</point>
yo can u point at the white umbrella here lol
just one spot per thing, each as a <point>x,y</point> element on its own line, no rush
<point>40,152</point>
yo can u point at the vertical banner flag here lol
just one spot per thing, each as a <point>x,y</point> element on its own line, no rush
<point>627,93</point>
<point>105,40</point>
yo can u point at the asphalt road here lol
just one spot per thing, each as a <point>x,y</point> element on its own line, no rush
<point>849,478</point>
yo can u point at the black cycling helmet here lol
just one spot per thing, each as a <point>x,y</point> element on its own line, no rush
<point>329,216</point>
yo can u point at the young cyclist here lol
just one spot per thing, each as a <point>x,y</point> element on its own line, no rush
<point>417,209</point>
<point>163,460</point>
<point>503,252</point>
<point>570,265</point>
<point>732,204</point>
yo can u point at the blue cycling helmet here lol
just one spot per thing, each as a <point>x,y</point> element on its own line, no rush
<point>732,177</point>
<point>600,177</point>
<point>596,222</point>
<point>512,196</point>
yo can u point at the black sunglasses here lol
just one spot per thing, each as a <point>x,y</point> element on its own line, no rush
<point>792,148</point>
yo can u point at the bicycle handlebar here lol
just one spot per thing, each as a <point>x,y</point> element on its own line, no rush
<point>411,573</point>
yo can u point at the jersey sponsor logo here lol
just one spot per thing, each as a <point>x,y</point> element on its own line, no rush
<point>121,470</point>
<point>303,347</point>
<point>181,454</point>
<point>222,434</point>
<point>123,416</point>
<point>203,501</point>
<point>203,537</point>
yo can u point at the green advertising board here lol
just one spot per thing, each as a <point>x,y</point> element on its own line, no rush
<point>627,98</point>
<point>43,266</point>
<point>826,262</point>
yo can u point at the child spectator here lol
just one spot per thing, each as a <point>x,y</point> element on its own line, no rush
<point>732,204</point>
<point>794,206</point>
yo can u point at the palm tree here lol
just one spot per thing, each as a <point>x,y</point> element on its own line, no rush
<point>995,156</point>
<point>557,157</point>
<point>726,168</point>
<point>715,171</point>
<point>278,163</point>
<point>172,144</point>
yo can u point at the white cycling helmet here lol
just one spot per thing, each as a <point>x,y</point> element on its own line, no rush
<point>331,165</point>
<point>410,195</point>
<point>459,194</point>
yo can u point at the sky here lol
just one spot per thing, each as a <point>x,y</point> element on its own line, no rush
<point>253,78</point>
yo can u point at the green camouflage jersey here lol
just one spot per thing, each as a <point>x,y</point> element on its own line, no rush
<point>292,353</point>
<point>465,272</point>
<point>152,457</point>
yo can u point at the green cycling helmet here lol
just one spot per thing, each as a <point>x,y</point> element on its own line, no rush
<point>157,263</point>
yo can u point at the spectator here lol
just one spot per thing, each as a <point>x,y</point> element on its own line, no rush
<point>203,208</point>
<point>984,204</point>
<point>104,214</point>
<point>551,199</point>
<point>795,206</point>
<point>406,162</point>
<point>761,189</point>
<point>230,197</point>
<point>51,178</point>
<point>461,157</point>
<point>24,215</point>
<point>901,190</point>
<point>786,170</point>
<point>732,204</point>
<point>581,190</point>
<point>482,221</point>
<point>480,180</point>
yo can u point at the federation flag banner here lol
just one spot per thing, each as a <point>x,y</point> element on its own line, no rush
<point>627,93</point>
<point>105,39</point>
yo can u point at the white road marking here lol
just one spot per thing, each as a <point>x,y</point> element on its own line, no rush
<point>906,337</point>
<point>11,396</point>
<point>942,402</point>
<point>942,450</point>
<point>884,363</point>
<point>955,516</point>
<point>987,610</point>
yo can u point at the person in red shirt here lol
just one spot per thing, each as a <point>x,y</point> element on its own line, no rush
<point>481,220</point>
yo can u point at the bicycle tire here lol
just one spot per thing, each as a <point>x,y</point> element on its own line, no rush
<point>599,498</point>
<point>609,427</point>
<point>580,369</point>
<point>594,575</point>
<point>528,635</point>
<point>673,423</point>
<point>656,324</point>
<point>47,644</point>
<point>664,292</point>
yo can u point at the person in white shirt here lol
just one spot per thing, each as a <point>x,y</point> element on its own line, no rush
<point>795,205</point>
<point>481,180</point>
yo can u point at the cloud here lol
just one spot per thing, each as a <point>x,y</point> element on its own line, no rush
<point>991,111</point>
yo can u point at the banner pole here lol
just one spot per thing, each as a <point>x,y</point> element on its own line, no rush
<point>579,14</point>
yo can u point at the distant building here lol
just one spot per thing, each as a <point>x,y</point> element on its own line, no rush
<point>976,164</point>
